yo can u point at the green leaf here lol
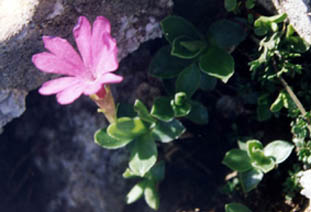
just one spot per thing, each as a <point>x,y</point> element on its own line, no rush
<point>126,128</point>
<point>128,173</point>
<point>136,192</point>
<point>180,104</point>
<point>158,171</point>
<point>186,48</point>
<point>125,109</point>
<point>278,104</point>
<point>207,83</point>
<point>250,4</point>
<point>250,179</point>
<point>165,66</point>
<point>143,112</point>
<point>264,24</point>
<point>162,109</point>
<point>198,113</point>
<point>252,146</point>
<point>236,207</point>
<point>227,33</point>
<point>217,63</point>
<point>279,150</point>
<point>151,195</point>
<point>237,160</point>
<point>262,162</point>
<point>188,80</point>
<point>242,145</point>
<point>176,26</point>
<point>143,155</point>
<point>231,5</point>
<point>104,140</point>
<point>168,131</point>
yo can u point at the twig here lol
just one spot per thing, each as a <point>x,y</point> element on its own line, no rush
<point>292,96</point>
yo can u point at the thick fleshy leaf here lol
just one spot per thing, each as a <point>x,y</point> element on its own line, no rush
<point>56,85</point>
<point>168,131</point>
<point>278,104</point>
<point>236,207</point>
<point>218,63</point>
<point>125,109</point>
<point>143,155</point>
<point>162,109</point>
<point>136,192</point>
<point>151,195</point>
<point>227,33</point>
<point>262,162</point>
<point>198,113</point>
<point>50,63</point>
<point>252,146</point>
<point>143,112</point>
<point>157,172</point>
<point>230,5</point>
<point>62,49</point>
<point>188,80</point>
<point>82,34</point>
<point>69,94</point>
<point>250,179</point>
<point>126,128</point>
<point>207,83</point>
<point>165,66</point>
<point>128,173</point>
<point>186,48</point>
<point>279,150</point>
<point>104,140</point>
<point>237,160</point>
<point>176,26</point>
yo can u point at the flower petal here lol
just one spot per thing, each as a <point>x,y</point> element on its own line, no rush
<point>70,94</point>
<point>82,34</point>
<point>110,78</point>
<point>62,49</point>
<point>56,85</point>
<point>100,26</point>
<point>50,63</point>
<point>91,88</point>
<point>106,59</point>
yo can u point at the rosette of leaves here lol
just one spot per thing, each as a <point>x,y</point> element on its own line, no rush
<point>191,56</point>
<point>252,160</point>
<point>139,129</point>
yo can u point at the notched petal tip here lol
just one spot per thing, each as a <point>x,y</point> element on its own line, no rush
<point>102,23</point>
<point>82,21</point>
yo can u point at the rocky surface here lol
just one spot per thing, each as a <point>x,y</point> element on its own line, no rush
<point>298,12</point>
<point>22,24</point>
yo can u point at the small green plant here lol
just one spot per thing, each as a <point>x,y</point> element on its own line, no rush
<point>252,160</point>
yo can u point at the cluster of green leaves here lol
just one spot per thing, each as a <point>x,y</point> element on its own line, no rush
<point>139,130</point>
<point>252,160</point>
<point>192,57</point>
<point>278,48</point>
<point>235,5</point>
<point>291,186</point>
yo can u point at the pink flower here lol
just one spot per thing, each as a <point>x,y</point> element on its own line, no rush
<point>88,72</point>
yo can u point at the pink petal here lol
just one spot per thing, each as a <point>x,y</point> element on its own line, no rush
<point>57,85</point>
<point>100,26</point>
<point>110,78</point>
<point>50,63</point>
<point>91,88</point>
<point>106,59</point>
<point>70,94</point>
<point>82,34</point>
<point>62,49</point>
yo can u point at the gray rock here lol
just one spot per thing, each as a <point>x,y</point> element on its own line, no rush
<point>22,25</point>
<point>298,12</point>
